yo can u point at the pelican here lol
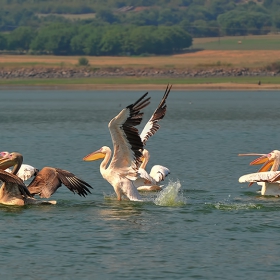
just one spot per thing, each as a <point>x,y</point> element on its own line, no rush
<point>267,176</point>
<point>145,181</point>
<point>45,183</point>
<point>122,170</point>
<point>14,191</point>
<point>25,172</point>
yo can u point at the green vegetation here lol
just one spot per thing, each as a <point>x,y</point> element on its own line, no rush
<point>138,81</point>
<point>78,39</point>
<point>83,61</point>
<point>93,27</point>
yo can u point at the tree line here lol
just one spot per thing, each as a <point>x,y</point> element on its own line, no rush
<point>65,39</point>
<point>128,26</point>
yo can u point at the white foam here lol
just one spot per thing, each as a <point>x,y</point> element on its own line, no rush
<point>171,195</point>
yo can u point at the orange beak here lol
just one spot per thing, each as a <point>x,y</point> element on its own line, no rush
<point>94,156</point>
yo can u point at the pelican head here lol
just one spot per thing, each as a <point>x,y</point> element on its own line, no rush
<point>99,154</point>
<point>10,159</point>
<point>270,160</point>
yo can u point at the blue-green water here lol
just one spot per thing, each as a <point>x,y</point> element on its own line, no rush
<point>215,229</point>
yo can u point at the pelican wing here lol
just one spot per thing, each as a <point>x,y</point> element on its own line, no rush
<point>13,182</point>
<point>159,172</point>
<point>152,125</point>
<point>269,176</point>
<point>125,137</point>
<point>49,179</point>
<point>143,179</point>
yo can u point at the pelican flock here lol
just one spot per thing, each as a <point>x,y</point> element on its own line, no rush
<point>45,183</point>
<point>126,171</point>
<point>268,176</point>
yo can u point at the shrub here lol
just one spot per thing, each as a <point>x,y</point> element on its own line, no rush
<point>83,61</point>
<point>274,66</point>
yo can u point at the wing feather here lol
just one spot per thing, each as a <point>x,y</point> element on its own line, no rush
<point>125,136</point>
<point>12,180</point>
<point>152,126</point>
<point>49,179</point>
<point>269,176</point>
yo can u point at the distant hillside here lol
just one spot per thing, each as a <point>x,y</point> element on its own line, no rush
<point>77,27</point>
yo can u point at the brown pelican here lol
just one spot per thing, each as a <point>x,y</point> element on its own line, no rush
<point>267,176</point>
<point>13,191</point>
<point>151,181</point>
<point>122,170</point>
<point>45,183</point>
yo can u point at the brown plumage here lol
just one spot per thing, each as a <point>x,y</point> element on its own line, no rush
<point>46,182</point>
<point>49,179</point>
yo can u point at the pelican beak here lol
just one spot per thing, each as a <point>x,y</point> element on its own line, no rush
<point>94,156</point>
<point>6,162</point>
<point>264,159</point>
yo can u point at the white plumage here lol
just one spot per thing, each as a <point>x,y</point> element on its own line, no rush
<point>126,159</point>
<point>151,181</point>
<point>25,172</point>
<point>267,177</point>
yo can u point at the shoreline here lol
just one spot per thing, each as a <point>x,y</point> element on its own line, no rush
<point>208,86</point>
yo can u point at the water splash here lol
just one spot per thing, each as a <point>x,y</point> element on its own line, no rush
<point>171,195</point>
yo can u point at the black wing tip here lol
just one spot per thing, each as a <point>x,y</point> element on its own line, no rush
<point>143,103</point>
<point>166,93</point>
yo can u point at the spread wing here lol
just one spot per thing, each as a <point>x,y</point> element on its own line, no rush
<point>152,126</point>
<point>49,179</point>
<point>125,136</point>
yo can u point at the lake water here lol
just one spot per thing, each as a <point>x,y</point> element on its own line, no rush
<point>214,228</point>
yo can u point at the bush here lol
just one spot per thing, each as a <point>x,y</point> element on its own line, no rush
<point>274,66</point>
<point>83,61</point>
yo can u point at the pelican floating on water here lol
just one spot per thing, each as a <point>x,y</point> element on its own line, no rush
<point>45,183</point>
<point>126,160</point>
<point>267,177</point>
<point>145,181</point>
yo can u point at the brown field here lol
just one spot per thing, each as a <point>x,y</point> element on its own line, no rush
<point>237,38</point>
<point>200,59</point>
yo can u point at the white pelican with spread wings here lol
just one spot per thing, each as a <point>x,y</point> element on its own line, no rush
<point>121,172</point>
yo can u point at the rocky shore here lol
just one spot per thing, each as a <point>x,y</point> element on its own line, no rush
<point>54,73</point>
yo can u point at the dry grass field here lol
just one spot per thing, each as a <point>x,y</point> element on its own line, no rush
<point>199,59</point>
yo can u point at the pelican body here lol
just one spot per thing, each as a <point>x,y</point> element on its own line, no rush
<point>267,176</point>
<point>45,183</point>
<point>121,172</point>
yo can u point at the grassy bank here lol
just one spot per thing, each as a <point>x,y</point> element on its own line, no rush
<point>142,83</point>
